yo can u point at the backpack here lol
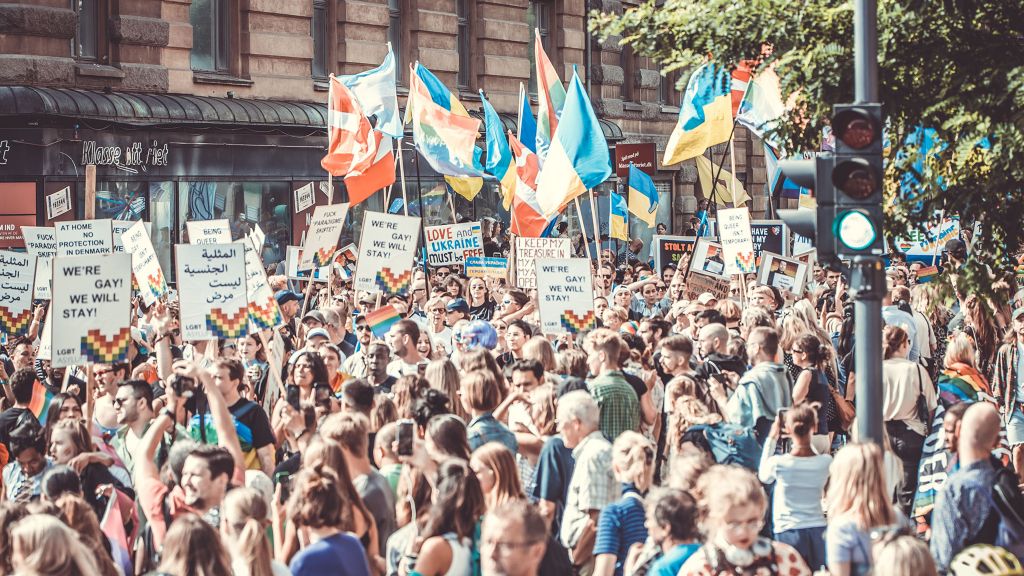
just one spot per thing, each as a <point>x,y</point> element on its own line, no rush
<point>201,429</point>
<point>730,444</point>
<point>1009,503</point>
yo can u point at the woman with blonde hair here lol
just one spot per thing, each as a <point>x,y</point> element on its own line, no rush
<point>444,376</point>
<point>45,546</point>
<point>857,504</point>
<point>538,348</point>
<point>78,515</point>
<point>903,555</point>
<point>495,468</point>
<point>618,526</point>
<point>732,507</point>
<point>193,548</point>
<point>244,521</point>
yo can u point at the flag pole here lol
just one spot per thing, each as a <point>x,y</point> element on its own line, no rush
<point>423,233</point>
<point>593,217</point>
<point>583,228</point>
<point>732,164</point>
<point>451,204</point>
<point>401,171</point>
<point>330,177</point>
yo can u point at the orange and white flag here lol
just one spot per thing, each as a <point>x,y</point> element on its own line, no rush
<point>350,145</point>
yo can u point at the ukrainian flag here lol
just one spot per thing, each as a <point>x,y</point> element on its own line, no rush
<point>643,197</point>
<point>526,126</point>
<point>500,163</point>
<point>617,218</point>
<point>705,118</point>
<point>578,159</point>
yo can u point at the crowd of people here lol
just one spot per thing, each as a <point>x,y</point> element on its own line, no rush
<point>690,434</point>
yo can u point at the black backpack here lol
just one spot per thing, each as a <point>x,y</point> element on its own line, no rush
<point>1009,503</point>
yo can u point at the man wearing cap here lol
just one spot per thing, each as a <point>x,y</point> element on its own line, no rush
<point>313,319</point>
<point>288,302</point>
<point>1008,386</point>
<point>316,338</point>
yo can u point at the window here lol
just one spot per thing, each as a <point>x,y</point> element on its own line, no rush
<point>321,39</point>
<point>211,35</point>
<point>464,46</point>
<point>628,62</point>
<point>86,44</point>
<point>395,33</point>
<point>667,90</point>
<point>538,17</point>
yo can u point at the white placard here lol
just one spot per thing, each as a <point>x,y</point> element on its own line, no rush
<point>322,236</point>
<point>565,295</point>
<point>84,238</point>
<point>450,244</point>
<point>41,242</point>
<point>263,309</point>
<point>118,229</point>
<point>46,338</point>
<point>707,258</point>
<point>291,266</point>
<point>145,264</point>
<point>58,203</point>
<point>212,291</point>
<point>528,250</point>
<point>91,309</point>
<point>209,232</point>
<point>737,241</point>
<point>387,251</point>
<point>17,271</point>
<point>789,275</point>
<point>304,197</point>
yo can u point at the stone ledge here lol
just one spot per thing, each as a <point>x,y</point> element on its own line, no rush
<point>36,70</point>
<point>141,31</point>
<point>27,20</point>
<point>608,75</point>
<point>215,78</point>
<point>98,70</point>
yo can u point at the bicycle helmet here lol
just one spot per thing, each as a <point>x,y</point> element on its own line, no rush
<point>985,559</point>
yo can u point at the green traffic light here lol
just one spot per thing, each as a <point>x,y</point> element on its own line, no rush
<point>855,230</point>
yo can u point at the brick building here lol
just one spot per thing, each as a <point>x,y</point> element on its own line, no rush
<point>196,109</point>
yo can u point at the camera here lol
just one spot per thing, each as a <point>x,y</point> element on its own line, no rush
<point>183,386</point>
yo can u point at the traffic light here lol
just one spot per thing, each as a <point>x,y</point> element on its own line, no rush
<point>816,174</point>
<point>857,176</point>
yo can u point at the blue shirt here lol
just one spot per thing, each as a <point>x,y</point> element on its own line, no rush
<point>341,555</point>
<point>962,508</point>
<point>1020,373</point>
<point>620,526</point>
<point>554,470</point>
<point>487,428</point>
<point>673,560</point>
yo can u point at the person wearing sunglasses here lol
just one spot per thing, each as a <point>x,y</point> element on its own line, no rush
<point>481,307</point>
<point>108,377</point>
<point>358,363</point>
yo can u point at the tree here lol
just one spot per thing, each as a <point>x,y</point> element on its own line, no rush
<point>951,65</point>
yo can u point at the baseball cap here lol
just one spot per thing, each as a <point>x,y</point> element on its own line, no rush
<point>458,305</point>
<point>285,296</point>
<point>956,247</point>
<point>706,298</point>
<point>318,332</point>
<point>315,315</point>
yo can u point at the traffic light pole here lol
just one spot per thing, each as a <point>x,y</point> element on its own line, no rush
<point>865,50</point>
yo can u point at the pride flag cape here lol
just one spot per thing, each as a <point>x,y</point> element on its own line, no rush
<point>643,197</point>
<point>381,320</point>
<point>550,99</point>
<point>500,162</point>
<point>617,219</point>
<point>705,117</point>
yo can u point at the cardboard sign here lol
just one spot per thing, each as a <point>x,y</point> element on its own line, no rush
<point>322,236</point>
<point>291,266</point>
<point>145,265</point>
<point>787,274</point>
<point>58,203</point>
<point>482,267</point>
<point>264,312</point>
<point>41,242</point>
<point>387,251</point>
<point>452,243</point>
<point>707,258</point>
<point>91,309</point>
<point>671,250</point>
<point>737,242</point>
<point>84,238</point>
<point>209,232</point>
<point>698,283</point>
<point>17,271</point>
<point>769,236</point>
<point>305,197</point>
<point>118,228</point>
<point>528,250</point>
<point>212,291</point>
<point>565,295</point>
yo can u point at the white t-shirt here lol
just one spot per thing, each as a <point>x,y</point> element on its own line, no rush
<point>799,487</point>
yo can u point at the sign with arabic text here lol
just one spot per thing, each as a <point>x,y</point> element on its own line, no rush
<point>387,252</point>
<point>17,271</point>
<point>212,291</point>
<point>91,309</point>
<point>84,238</point>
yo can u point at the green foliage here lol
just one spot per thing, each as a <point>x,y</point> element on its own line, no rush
<point>955,66</point>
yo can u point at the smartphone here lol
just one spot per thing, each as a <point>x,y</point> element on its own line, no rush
<point>783,432</point>
<point>292,396</point>
<point>406,430</point>
<point>284,480</point>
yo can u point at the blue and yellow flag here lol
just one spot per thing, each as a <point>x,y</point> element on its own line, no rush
<point>618,228</point>
<point>705,117</point>
<point>500,162</point>
<point>526,126</point>
<point>643,196</point>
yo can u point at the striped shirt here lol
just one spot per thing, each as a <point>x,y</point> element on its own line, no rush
<point>620,526</point>
<point>620,407</point>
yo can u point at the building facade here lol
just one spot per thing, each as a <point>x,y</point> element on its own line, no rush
<point>199,109</point>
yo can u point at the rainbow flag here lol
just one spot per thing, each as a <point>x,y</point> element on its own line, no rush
<point>705,117</point>
<point>927,274</point>
<point>500,163</point>
<point>550,99</point>
<point>381,320</point>
<point>40,403</point>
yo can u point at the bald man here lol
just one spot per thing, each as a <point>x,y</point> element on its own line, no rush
<point>964,511</point>
<point>713,345</point>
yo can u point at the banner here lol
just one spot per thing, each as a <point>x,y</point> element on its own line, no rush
<point>482,267</point>
<point>145,265</point>
<point>91,321</point>
<point>789,275</point>
<point>707,258</point>
<point>565,295</point>
<point>41,242</point>
<point>737,242</point>
<point>698,283</point>
<point>452,243</point>
<point>387,251</point>
<point>263,310</point>
<point>671,250</point>
<point>209,232</point>
<point>83,238</point>
<point>17,271</point>
<point>212,291</point>
<point>769,236</point>
<point>528,250</point>
<point>322,236</point>
<point>923,246</point>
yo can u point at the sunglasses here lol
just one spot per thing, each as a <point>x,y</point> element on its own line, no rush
<point>506,302</point>
<point>362,328</point>
<point>103,372</point>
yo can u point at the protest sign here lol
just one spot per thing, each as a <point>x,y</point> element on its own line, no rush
<point>212,291</point>
<point>671,250</point>
<point>565,295</point>
<point>387,249</point>
<point>737,243</point>
<point>145,265</point>
<point>91,309</point>
<point>787,274</point>
<point>924,246</point>
<point>17,271</point>
<point>322,236</point>
<point>802,245</point>
<point>305,196</point>
<point>42,243</point>
<point>482,267</point>
<point>118,229</point>
<point>707,258</point>
<point>83,238</point>
<point>209,232</point>
<point>452,243</point>
<point>292,256</point>
<point>263,310</point>
<point>769,236</point>
<point>699,282</point>
<point>58,203</point>
<point>528,250</point>
<point>46,338</point>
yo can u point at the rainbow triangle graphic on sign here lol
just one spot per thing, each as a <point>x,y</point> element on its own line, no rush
<point>322,256</point>
<point>575,324</point>
<point>746,263</point>
<point>393,283</point>
<point>156,285</point>
<point>98,348</point>
<point>224,325</point>
<point>15,324</point>
<point>266,315</point>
